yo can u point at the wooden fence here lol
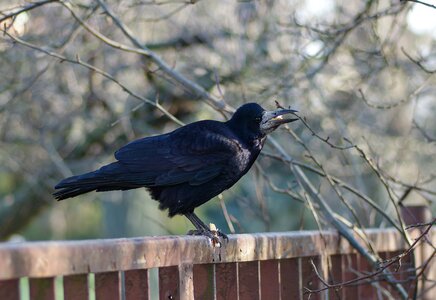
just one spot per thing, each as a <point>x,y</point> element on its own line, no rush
<point>249,266</point>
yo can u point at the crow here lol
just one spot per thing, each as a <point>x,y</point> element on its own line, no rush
<point>187,167</point>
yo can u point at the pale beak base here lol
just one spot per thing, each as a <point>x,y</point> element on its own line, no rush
<point>273,119</point>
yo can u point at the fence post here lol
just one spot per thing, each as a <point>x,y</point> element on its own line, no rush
<point>186,278</point>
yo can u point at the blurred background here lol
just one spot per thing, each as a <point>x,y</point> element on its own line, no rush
<point>360,70</point>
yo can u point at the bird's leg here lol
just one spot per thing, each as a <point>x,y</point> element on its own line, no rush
<point>195,221</point>
<point>218,232</point>
<point>203,229</point>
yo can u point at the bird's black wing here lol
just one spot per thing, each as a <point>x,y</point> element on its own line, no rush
<point>193,154</point>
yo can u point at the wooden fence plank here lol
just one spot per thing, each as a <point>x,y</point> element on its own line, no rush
<point>169,283</point>
<point>9,289</point>
<point>49,259</point>
<point>255,255</point>
<point>290,279</point>
<point>42,288</point>
<point>384,284</point>
<point>108,286</point>
<point>350,269</point>
<point>336,275</point>
<point>226,281</point>
<point>309,278</point>
<point>76,287</point>
<point>186,282</point>
<point>366,290</point>
<point>407,274</point>
<point>136,284</point>
<point>426,288</point>
<point>204,281</point>
<point>269,279</point>
<point>248,278</point>
<point>418,255</point>
<point>396,270</point>
<point>431,268</point>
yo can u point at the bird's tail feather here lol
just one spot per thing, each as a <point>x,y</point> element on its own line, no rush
<point>108,178</point>
<point>65,193</point>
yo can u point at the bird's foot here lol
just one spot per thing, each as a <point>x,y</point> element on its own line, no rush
<point>217,232</point>
<point>213,234</point>
<point>222,235</point>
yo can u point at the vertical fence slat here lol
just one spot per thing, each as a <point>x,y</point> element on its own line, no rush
<point>336,275</point>
<point>414,215</point>
<point>309,278</point>
<point>398,272</point>
<point>204,281</point>
<point>350,267</point>
<point>169,283</point>
<point>76,287</point>
<point>407,274</point>
<point>290,279</point>
<point>366,290</point>
<point>427,288</point>
<point>136,285</point>
<point>384,284</point>
<point>41,288</point>
<point>269,279</point>
<point>431,267</point>
<point>9,289</point>
<point>418,282</point>
<point>108,286</point>
<point>248,278</point>
<point>226,281</point>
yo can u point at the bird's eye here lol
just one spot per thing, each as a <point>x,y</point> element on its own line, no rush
<point>258,119</point>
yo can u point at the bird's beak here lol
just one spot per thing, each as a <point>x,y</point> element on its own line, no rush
<point>273,119</point>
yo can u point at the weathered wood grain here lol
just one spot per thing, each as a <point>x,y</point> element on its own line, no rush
<point>47,259</point>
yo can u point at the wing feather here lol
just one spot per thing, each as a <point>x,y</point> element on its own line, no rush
<point>193,154</point>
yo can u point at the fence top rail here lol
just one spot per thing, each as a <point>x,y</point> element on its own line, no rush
<point>54,258</point>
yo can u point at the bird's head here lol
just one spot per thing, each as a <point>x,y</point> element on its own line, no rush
<point>252,120</point>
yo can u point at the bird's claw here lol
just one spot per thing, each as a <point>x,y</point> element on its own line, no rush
<point>213,235</point>
<point>222,235</point>
<point>217,232</point>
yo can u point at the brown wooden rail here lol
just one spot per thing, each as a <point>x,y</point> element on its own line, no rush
<point>249,266</point>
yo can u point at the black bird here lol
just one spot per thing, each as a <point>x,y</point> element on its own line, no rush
<point>187,167</point>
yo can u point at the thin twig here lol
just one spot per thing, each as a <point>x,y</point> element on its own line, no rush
<point>422,2</point>
<point>391,194</point>
<point>78,61</point>
<point>373,274</point>
<point>340,183</point>
<point>30,6</point>
<point>198,91</point>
